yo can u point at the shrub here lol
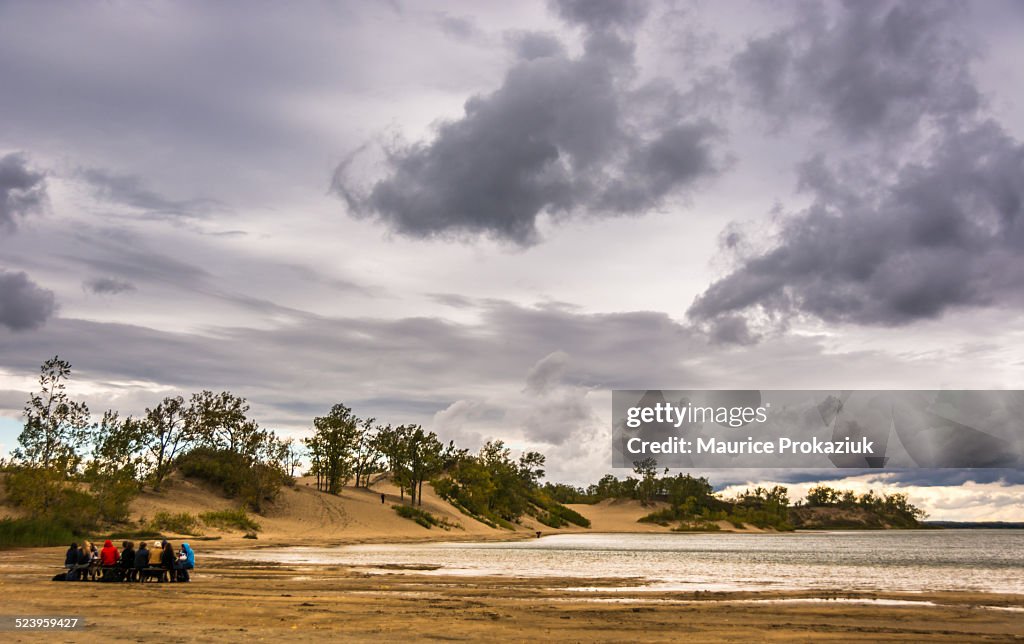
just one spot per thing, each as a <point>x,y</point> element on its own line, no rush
<point>230,520</point>
<point>34,532</point>
<point>424,518</point>
<point>569,515</point>
<point>181,523</point>
<point>238,477</point>
<point>696,526</point>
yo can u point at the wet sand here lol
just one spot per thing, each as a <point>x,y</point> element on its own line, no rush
<point>232,601</point>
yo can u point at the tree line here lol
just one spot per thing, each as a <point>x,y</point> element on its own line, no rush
<point>67,465</point>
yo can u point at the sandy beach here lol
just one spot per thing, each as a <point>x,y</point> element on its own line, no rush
<point>231,600</point>
<point>235,600</point>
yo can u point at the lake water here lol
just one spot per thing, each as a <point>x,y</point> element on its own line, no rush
<point>929,560</point>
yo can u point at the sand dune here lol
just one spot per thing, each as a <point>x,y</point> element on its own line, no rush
<point>303,514</point>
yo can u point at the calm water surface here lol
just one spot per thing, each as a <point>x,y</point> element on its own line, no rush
<point>983,560</point>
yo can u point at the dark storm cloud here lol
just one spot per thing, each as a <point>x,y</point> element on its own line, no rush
<point>22,190</point>
<point>24,304</point>
<point>107,286</point>
<point>731,329</point>
<point>557,137</point>
<point>599,15</point>
<point>876,67</point>
<point>529,45</point>
<point>947,233</point>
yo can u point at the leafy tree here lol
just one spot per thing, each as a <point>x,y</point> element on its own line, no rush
<point>647,470</point>
<point>115,471</point>
<point>56,427</point>
<point>334,439</point>
<point>366,455</point>
<point>424,452</point>
<point>50,446</point>
<point>221,421</point>
<point>165,433</point>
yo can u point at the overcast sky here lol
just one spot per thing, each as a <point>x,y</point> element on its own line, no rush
<point>483,217</point>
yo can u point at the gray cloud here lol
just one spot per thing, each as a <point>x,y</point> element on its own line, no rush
<point>459,27</point>
<point>877,67</point>
<point>107,286</point>
<point>948,233</point>
<point>131,191</point>
<point>599,15</point>
<point>530,45</point>
<point>547,373</point>
<point>24,304</point>
<point>22,190</point>
<point>557,137</point>
<point>731,329</point>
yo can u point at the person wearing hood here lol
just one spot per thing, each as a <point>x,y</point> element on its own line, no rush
<point>75,561</point>
<point>186,561</point>
<point>141,560</point>
<point>167,560</point>
<point>127,563</point>
<point>109,555</point>
<point>71,556</point>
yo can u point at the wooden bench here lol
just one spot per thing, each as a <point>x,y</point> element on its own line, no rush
<point>153,572</point>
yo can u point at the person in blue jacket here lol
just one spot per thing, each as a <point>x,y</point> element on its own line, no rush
<point>186,561</point>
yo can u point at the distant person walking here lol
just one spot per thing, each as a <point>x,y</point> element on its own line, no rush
<point>383,498</point>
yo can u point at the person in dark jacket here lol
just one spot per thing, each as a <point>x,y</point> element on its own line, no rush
<point>127,563</point>
<point>71,562</point>
<point>71,556</point>
<point>141,560</point>
<point>84,562</point>
<point>167,560</point>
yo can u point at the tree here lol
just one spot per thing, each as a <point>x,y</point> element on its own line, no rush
<point>531,468</point>
<point>290,456</point>
<point>56,427</point>
<point>393,445</point>
<point>221,421</point>
<point>424,452</point>
<point>647,470</point>
<point>115,471</point>
<point>165,433</point>
<point>332,445</point>
<point>50,445</point>
<point>366,456</point>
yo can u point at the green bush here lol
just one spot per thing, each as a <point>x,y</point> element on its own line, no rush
<point>254,483</point>
<point>181,523</point>
<point>569,515</point>
<point>696,526</point>
<point>424,518</point>
<point>34,532</point>
<point>230,520</point>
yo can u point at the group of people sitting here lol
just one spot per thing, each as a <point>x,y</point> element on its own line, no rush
<point>85,561</point>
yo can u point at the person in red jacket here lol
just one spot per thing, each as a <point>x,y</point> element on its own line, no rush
<point>109,555</point>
